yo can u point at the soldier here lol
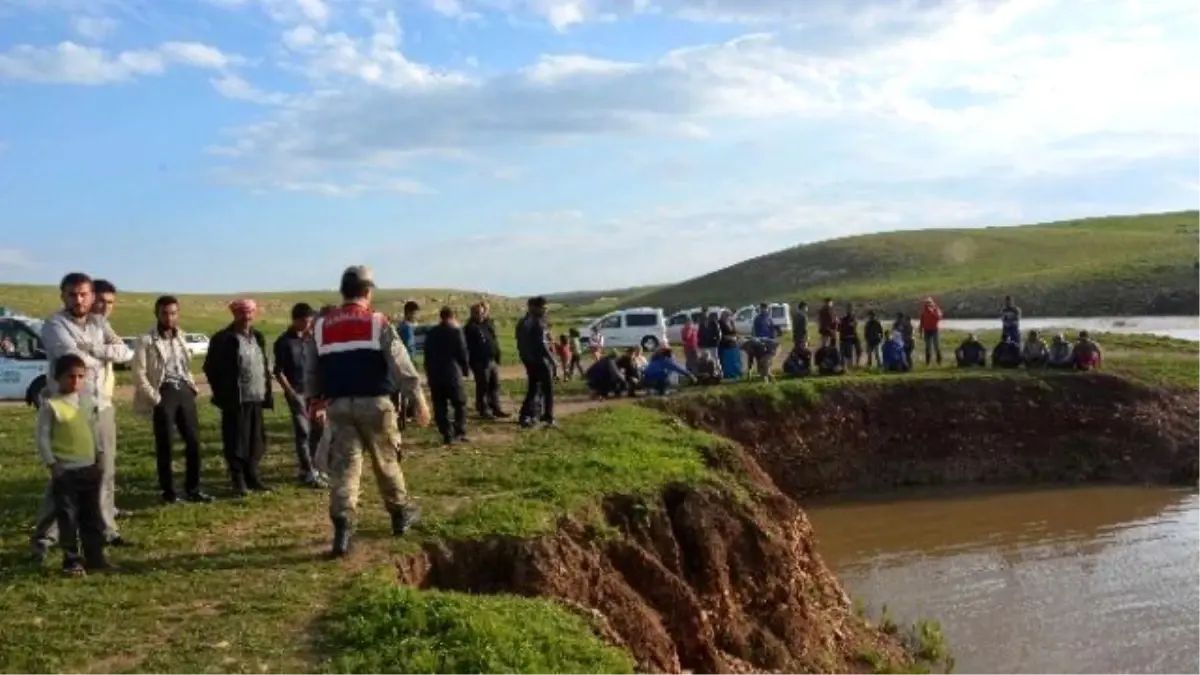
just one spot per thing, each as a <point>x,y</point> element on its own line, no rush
<point>359,361</point>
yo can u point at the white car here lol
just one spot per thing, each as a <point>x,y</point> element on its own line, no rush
<point>197,344</point>
<point>781,316</point>
<point>675,323</point>
<point>23,363</point>
<point>637,326</point>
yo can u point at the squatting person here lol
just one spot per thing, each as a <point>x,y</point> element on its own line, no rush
<point>359,361</point>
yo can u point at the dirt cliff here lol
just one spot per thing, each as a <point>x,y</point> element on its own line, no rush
<point>1068,428</point>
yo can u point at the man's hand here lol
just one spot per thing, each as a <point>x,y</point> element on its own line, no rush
<point>422,417</point>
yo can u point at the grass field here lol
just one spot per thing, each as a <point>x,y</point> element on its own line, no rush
<point>1121,265</point>
<point>242,585</point>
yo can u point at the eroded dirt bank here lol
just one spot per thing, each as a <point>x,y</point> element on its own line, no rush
<point>1071,428</point>
<point>696,579</point>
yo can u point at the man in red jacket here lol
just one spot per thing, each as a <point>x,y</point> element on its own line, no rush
<point>931,316</point>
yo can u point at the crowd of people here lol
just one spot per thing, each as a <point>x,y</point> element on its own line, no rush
<point>347,377</point>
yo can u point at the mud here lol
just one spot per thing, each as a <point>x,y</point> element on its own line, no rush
<point>1066,429</point>
<point>696,580</point>
<point>726,579</point>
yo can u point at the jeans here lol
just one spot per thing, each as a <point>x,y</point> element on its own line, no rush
<point>539,384</point>
<point>933,345</point>
<point>306,435</point>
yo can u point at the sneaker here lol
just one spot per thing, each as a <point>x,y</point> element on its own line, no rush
<point>462,438</point>
<point>198,497</point>
<point>550,424</point>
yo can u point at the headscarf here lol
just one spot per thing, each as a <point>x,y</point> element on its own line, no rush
<point>243,307</point>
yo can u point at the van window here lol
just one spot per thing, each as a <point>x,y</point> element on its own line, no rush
<point>745,314</point>
<point>778,312</point>
<point>641,320</point>
<point>697,317</point>
<point>678,320</point>
<point>24,342</point>
<point>610,322</point>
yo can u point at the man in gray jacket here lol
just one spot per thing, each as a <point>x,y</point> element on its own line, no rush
<point>76,330</point>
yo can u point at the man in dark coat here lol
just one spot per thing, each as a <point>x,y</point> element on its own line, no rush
<point>446,364</point>
<point>604,378</point>
<point>484,351</point>
<point>538,361</point>
<point>239,374</point>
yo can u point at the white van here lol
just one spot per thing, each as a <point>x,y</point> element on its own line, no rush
<point>637,326</point>
<point>676,321</point>
<point>23,362</point>
<point>781,316</point>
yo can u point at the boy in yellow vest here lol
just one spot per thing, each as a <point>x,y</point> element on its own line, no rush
<point>66,444</point>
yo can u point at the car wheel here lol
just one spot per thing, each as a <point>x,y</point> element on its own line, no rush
<point>33,395</point>
<point>649,343</point>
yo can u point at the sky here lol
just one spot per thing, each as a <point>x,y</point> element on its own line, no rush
<point>522,146</point>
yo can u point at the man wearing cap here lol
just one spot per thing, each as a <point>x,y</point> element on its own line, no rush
<point>359,362</point>
<point>239,375</point>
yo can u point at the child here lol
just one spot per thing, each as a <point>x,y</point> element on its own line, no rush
<point>67,446</point>
<point>576,363</point>
<point>596,343</point>
<point>563,351</point>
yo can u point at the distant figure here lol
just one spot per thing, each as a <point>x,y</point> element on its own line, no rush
<point>1086,355</point>
<point>707,370</point>
<point>892,354</point>
<point>1010,321</point>
<point>576,363</point>
<point>562,349</point>
<point>1061,353</point>
<point>761,353</point>
<point>447,363</point>
<point>604,378</point>
<point>1007,354</point>
<point>710,334</point>
<point>829,361</point>
<point>406,330</point>
<point>483,348</point>
<point>931,317</point>
<point>873,334</point>
<point>539,365</point>
<point>596,343</point>
<point>630,365</point>
<point>1034,352</point>
<point>690,337</point>
<point>798,362</point>
<point>657,375</point>
<point>730,355</point>
<point>971,353</point>
<point>903,324</point>
<point>848,341</point>
<point>800,325</point>
<point>827,324</point>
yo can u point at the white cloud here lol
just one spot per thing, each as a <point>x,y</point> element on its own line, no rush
<point>235,87</point>
<point>15,258</point>
<point>71,63</point>
<point>353,189</point>
<point>453,9</point>
<point>94,28</point>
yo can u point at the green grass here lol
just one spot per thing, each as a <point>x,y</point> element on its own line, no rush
<point>379,627</point>
<point>1122,265</point>
<point>240,585</point>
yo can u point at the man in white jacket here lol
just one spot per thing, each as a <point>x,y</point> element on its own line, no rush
<point>76,330</point>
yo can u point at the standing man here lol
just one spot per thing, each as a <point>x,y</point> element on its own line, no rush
<point>407,331</point>
<point>827,324</point>
<point>359,361</point>
<point>1010,321</point>
<point>709,334</point>
<point>76,330</point>
<point>290,348</point>
<point>106,419</point>
<point>165,391</point>
<point>538,362</point>
<point>446,363</point>
<point>931,317</point>
<point>800,325</point>
<point>240,377</point>
<point>484,351</point>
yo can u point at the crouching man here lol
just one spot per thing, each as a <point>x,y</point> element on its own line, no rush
<point>359,362</point>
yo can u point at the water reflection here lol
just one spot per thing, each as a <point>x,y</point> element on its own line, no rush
<point>1181,327</point>
<point>1085,580</point>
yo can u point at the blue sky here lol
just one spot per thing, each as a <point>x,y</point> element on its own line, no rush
<point>519,146</point>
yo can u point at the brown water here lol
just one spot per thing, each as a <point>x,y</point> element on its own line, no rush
<point>1095,580</point>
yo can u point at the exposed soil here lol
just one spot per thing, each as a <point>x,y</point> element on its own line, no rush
<point>1071,428</point>
<point>696,580</point>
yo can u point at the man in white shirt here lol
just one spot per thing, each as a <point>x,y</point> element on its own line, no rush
<point>76,330</point>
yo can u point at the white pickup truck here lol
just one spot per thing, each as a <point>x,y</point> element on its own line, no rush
<point>23,364</point>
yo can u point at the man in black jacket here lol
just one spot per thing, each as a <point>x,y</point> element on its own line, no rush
<point>604,378</point>
<point>484,351</point>
<point>538,362</point>
<point>446,364</point>
<point>709,334</point>
<point>239,374</point>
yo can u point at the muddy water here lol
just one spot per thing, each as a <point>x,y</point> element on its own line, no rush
<point>1094,580</point>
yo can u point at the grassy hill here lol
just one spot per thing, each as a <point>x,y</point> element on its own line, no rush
<point>1119,265</point>
<point>209,312</point>
<point>583,303</point>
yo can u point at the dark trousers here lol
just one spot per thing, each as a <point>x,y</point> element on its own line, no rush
<point>447,400</point>
<point>539,384</point>
<point>177,410</point>
<point>851,351</point>
<point>244,437</point>
<point>306,433</point>
<point>575,365</point>
<point>77,510</point>
<point>487,388</point>
<point>933,346</point>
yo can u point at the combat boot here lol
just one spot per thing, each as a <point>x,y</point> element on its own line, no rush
<point>341,537</point>
<point>403,518</point>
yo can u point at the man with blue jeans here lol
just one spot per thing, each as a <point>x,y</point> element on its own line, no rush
<point>765,330</point>
<point>1010,321</point>
<point>291,349</point>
